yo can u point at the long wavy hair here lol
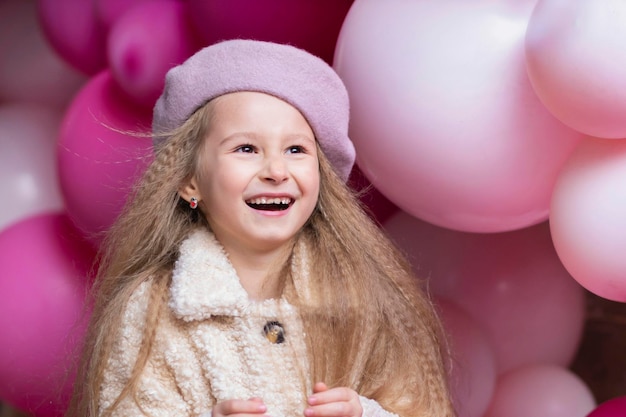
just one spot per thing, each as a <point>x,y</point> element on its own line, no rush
<point>372,326</point>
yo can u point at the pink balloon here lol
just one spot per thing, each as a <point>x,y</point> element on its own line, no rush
<point>28,174</point>
<point>309,24</point>
<point>588,220</point>
<point>98,161</point>
<point>512,284</point>
<point>43,282</point>
<point>145,42</point>
<point>615,407</point>
<point>109,11</point>
<point>74,32</point>
<point>444,120</point>
<point>576,58</point>
<point>30,71</point>
<point>473,367</point>
<point>541,390</point>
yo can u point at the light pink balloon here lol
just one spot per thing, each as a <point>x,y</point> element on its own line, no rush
<point>30,71</point>
<point>512,284</point>
<point>472,375</point>
<point>576,59</point>
<point>444,120</point>
<point>73,30</point>
<point>145,42</point>
<point>588,217</point>
<point>44,268</point>
<point>541,390</point>
<point>28,173</point>
<point>99,158</point>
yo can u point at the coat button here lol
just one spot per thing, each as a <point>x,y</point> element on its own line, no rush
<point>274,331</point>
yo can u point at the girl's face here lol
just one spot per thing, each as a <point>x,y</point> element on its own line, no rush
<point>258,176</point>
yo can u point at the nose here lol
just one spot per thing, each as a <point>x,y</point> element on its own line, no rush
<point>275,169</point>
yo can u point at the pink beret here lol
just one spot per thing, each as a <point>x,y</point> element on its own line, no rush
<point>301,79</point>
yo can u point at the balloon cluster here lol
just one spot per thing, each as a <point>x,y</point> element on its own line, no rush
<point>475,122</point>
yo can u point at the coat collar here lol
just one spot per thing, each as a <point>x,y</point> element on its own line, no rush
<point>204,282</point>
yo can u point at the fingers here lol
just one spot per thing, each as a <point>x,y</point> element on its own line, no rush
<point>239,408</point>
<point>320,387</point>
<point>335,402</point>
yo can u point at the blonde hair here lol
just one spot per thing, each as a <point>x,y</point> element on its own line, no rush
<point>371,329</point>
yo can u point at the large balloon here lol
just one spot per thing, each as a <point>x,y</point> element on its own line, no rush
<point>444,119</point>
<point>472,373</point>
<point>309,24</point>
<point>44,269</point>
<point>541,390</point>
<point>588,217</point>
<point>145,42</point>
<point>74,31</point>
<point>576,59</point>
<point>512,284</point>
<point>100,155</point>
<point>28,172</point>
<point>30,71</point>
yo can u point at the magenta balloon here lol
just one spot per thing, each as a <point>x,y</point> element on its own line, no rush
<point>473,366</point>
<point>313,25</point>
<point>588,220</point>
<point>512,284</point>
<point>40,75</point>
<point>43,282</point>
<point>576,58</point>
<point>109,11</point>
<point>145,42</point>
<point>74,32</point>
<point>541,390</point>
<point>98,161</point>
<point>615,407</point>
<point>444,119</point>
<point>28,174</point>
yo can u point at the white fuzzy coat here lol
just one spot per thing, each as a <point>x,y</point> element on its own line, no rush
<point>211,347</point>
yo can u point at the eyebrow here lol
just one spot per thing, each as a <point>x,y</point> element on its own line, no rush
<point>254,136</point>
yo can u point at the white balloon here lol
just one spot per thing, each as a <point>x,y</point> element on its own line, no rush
<point>28,174</point>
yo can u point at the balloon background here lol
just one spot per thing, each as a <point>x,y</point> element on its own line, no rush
<point>491,146</point>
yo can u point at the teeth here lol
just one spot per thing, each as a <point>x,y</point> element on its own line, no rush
<point>264,200</point>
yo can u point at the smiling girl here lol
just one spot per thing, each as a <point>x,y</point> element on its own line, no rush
<point>244,278</point>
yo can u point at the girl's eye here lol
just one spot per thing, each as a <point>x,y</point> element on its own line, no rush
<point>295,149</point>
<point>245,149</point>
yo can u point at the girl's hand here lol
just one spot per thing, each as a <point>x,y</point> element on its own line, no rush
<point>251,407</point>
<point>335,402</point>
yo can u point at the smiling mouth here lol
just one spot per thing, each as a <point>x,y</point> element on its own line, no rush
<point>269,204</point>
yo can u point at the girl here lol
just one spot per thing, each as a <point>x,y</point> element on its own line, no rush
<point>244,278</point>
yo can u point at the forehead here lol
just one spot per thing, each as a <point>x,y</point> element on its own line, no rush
<point>256,111</point>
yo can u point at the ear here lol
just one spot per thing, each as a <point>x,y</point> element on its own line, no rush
<point>190,189</point>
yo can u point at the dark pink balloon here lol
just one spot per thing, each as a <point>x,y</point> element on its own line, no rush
<point>472,370</point>
<point>313,25</point>
<point>44,268</point>
<point>74,32</point>
<point>615,407</point>
<point>512,284</point>
<point>100,155</point>
<point>108,11</point>
<point>145,42</point>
